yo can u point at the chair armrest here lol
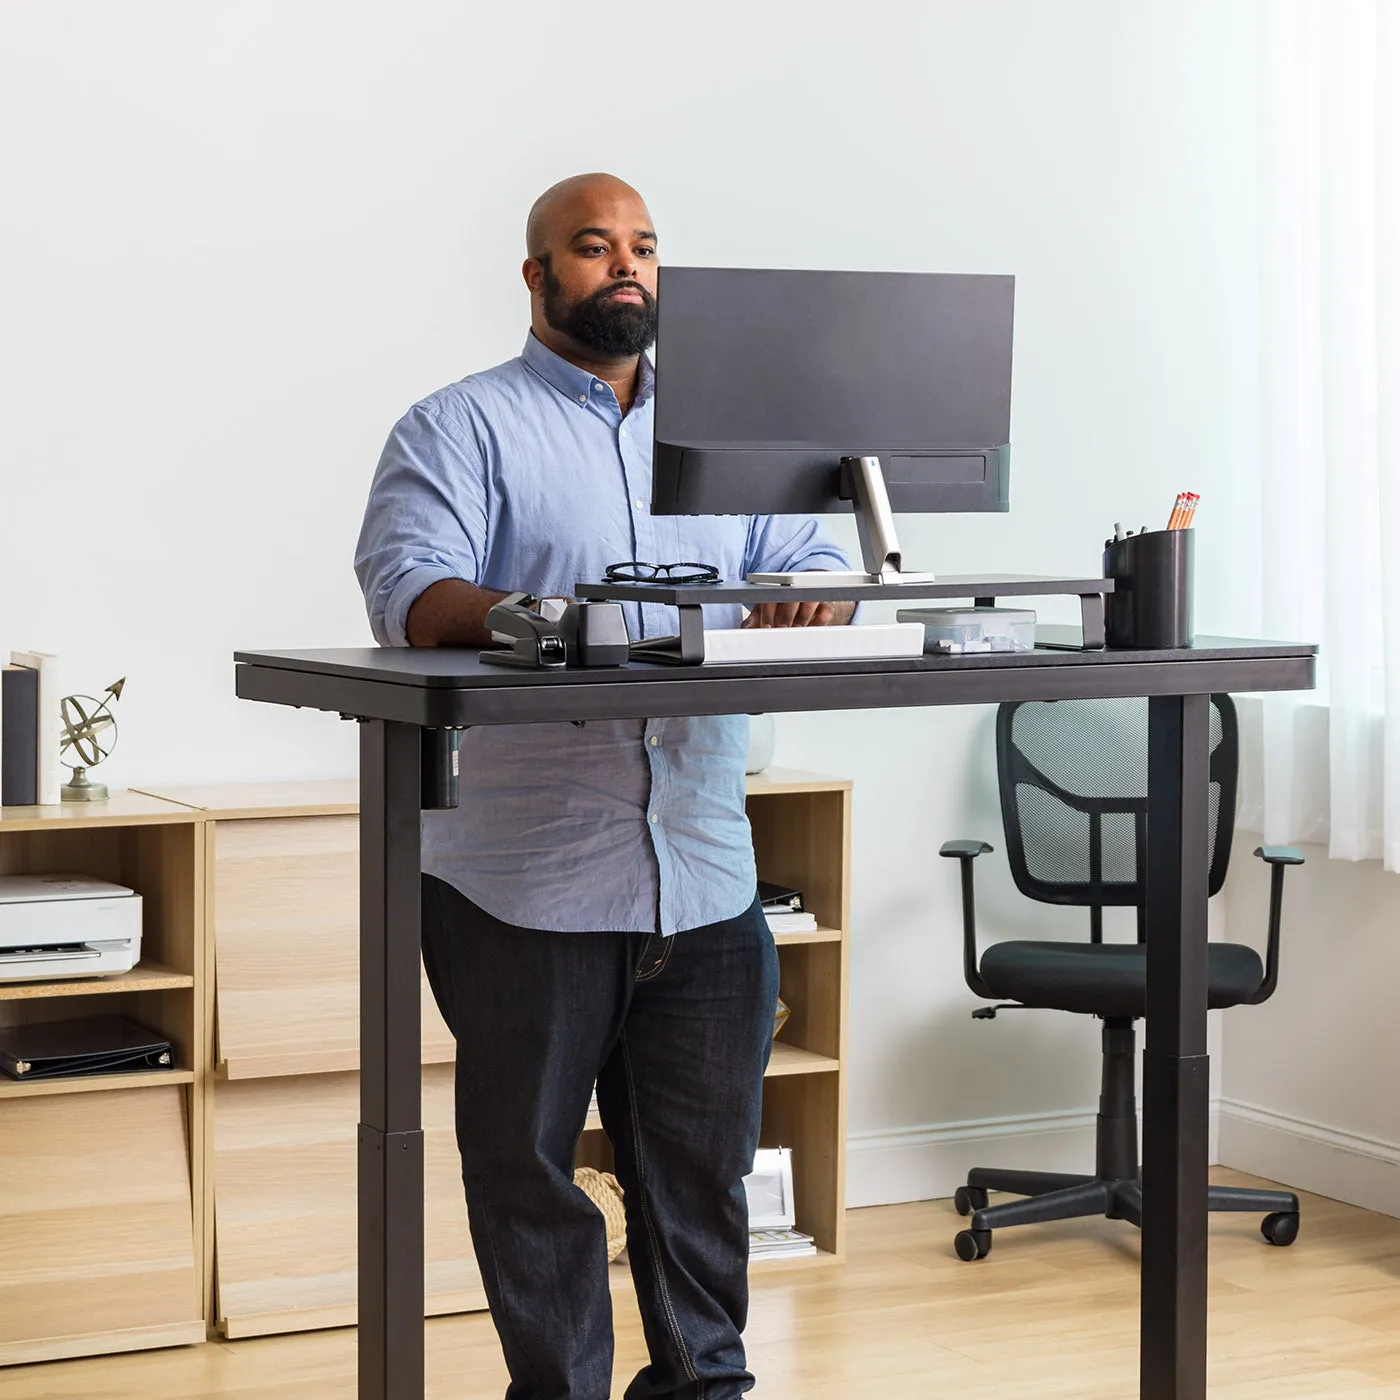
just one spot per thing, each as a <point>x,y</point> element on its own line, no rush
<point>964,848</point>
<point>967,852</point>
<point>1278,858</point>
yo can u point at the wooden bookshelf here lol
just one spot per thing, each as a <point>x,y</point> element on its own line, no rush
<point>101,1214</point>
<point>801,830</point>
<point>233,1208</point>
<point>802,838</point>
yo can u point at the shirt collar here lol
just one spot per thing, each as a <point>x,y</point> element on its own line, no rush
<point>575,383</point>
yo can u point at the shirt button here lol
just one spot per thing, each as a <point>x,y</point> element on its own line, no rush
<point>639,504</point>
<point>583,398</point>
<point>654,819</point>
<point>654,740</point>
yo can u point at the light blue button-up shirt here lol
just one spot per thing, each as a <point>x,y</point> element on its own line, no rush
<point>528,476</point>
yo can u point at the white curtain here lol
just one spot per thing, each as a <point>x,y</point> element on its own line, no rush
<point>1329,297</point>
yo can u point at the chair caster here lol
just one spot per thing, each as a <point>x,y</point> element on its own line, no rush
<point>972,1244</point>
<point>1280,1228</point>
<point>967,1199</point>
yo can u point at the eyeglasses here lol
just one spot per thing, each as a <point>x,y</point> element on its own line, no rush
<point>638,571</point>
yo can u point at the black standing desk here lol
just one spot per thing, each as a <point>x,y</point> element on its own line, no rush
<point>402,696</point>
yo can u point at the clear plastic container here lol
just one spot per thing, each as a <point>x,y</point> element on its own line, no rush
<point>974,629</point>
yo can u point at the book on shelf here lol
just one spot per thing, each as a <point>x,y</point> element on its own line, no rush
<point>47,723</point>
<point>781,1244</point>
<point>19,735</point>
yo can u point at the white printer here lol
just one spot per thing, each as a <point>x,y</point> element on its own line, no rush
<point>66,926</point>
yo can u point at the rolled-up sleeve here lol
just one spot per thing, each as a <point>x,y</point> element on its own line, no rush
<point>425,520</point>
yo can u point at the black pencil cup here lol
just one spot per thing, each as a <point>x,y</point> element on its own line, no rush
<point>1151,602</point>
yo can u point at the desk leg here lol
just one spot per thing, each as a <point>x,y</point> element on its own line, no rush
<point>391,1134</point>
<point>1176,1069</point>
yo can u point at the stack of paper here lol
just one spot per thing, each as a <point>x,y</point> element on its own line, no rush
<point>780,1244</point>
<point>792,923</point>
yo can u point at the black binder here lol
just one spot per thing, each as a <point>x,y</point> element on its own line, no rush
<point>92,1045</point>
<point>779,899</point>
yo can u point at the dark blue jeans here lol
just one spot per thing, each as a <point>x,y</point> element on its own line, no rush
<point>677,1033</point>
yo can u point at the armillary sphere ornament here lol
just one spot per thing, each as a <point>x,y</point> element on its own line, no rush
<point>89,736</point>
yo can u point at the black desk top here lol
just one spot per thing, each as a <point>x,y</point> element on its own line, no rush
<point>444,687</point>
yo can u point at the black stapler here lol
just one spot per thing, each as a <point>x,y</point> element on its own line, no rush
<point>531,639</point>
<point>586,634</point>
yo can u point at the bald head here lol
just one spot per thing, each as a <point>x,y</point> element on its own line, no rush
<point>591,269</point>
<point>566,206</point>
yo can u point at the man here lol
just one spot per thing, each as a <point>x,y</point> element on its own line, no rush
<point>589,910</point>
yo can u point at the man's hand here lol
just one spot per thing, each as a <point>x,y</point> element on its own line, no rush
<point>806,614</point>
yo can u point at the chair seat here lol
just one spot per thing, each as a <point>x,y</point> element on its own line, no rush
<point>1105,979</point>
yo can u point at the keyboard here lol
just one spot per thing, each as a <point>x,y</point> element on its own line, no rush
<point>751,645</point>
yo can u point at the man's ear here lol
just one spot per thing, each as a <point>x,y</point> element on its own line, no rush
<point>532,270</point>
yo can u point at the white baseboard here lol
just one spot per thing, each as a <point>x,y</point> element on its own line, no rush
<point>1311,1156</point>
<point>929,1163</point>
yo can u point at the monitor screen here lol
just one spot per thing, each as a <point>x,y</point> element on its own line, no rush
<point>767,379</point>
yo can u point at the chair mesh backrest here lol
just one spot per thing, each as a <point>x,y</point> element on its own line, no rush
<point>1073,782</point>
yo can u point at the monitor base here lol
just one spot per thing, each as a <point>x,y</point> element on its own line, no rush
<point>863,483</point>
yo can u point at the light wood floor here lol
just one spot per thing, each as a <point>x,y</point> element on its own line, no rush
<point>1051,1313</point>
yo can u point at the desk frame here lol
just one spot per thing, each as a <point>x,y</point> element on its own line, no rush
<point>397,694</point>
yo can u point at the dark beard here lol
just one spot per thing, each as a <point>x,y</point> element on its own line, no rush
<point>598,324</point>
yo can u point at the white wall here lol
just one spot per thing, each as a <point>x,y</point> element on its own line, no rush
<point>1309,1091</point>
<point>240,238</point>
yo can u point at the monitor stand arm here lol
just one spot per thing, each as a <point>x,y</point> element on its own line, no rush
<point>863,482</point>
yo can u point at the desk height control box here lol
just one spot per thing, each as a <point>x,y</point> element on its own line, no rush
<point>66,926</point>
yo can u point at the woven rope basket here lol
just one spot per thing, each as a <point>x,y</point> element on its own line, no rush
<point>605,1191</point>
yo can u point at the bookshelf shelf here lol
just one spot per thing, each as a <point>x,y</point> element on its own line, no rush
<point>92,1083</point>
<point>816,935</point>
<point>792,1059</point>
<point>147,976</point>
<point>282,1065</point>
<point>121,809</point>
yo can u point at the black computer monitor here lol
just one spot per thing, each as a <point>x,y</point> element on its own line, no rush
<point>810,392</point>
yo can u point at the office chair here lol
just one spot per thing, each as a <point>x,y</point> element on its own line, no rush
<point>1072,777</point>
